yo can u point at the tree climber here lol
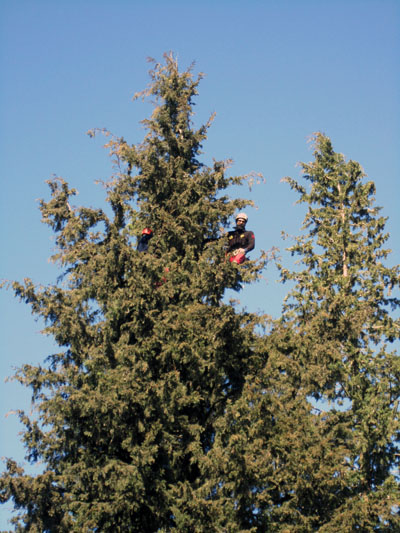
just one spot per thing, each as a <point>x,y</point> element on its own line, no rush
<point>143,243</point>
<point>240,241</point>
<point>143,246</point>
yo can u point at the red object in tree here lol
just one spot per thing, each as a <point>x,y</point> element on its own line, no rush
<point>163,279</point>
<point>238,258</point>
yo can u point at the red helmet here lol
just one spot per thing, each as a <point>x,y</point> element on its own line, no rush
<point>147,231</point>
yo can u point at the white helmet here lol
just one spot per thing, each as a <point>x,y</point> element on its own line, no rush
<point>242,215</point>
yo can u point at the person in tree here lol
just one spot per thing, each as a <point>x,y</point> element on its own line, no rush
<point>143,243</point>
<point>240,241</point>
<point>143,246</point>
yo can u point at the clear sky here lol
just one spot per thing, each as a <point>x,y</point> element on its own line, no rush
<point>276,71</point>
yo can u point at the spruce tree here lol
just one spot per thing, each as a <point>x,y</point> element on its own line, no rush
<point>150,355</point>
<point>342,309</point>
<point>314,436</point>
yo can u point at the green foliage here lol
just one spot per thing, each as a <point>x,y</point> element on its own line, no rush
<point>168,409</point>
<point>340,313</point>
<point>312,443</point>
<point>150,355</point>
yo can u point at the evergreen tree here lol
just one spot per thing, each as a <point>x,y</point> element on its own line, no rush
<point>150,356</point>
<point>167,409</point>
<point>342,309</point>
<point>315,433</point>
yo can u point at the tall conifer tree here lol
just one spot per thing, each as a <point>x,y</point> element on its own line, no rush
<point>149,354</point>
<point>342,309</point>
<point>312,444</point>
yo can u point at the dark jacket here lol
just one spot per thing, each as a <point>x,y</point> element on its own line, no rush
<point>240,238</point>
<point>144,243</point>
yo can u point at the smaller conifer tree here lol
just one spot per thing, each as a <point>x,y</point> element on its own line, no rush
<point>342,309</point>
<point>312,443</point>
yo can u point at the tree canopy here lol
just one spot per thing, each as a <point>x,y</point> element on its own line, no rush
<point>167,408</point>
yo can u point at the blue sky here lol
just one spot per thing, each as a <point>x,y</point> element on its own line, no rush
<point>275,72</point>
